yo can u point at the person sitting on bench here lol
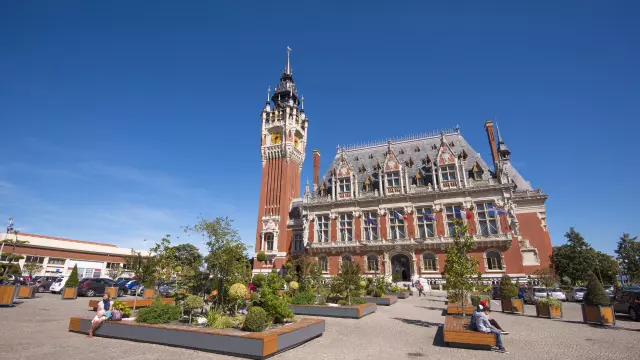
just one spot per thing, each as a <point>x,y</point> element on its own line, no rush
<point>480,322</point>
<point>492,321</point>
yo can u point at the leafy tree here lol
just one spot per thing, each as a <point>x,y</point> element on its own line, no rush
<point>347,282</point>
<point>115,271</point>
<point>12,256</point>
<point>237,295</point>
<point>164,259</point>
<point>32,268</point>
<point>188,256</point>
<point>307,272</point>
<point>628,253</point>
<point>606,267</point>
<point>270,299</point>
<point>574,259</point>
<point>546,277</point>
<point>143,269</point>
<point>507,289</point>
<point>595,294</point>
<point>460,269</point>
<point>73,280</point>
<point>227,260</point>
<point>259,280</point>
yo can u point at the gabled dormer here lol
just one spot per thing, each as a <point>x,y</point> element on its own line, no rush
<point>447,165</point>
<point>392,173</point>
<point>345,178</point>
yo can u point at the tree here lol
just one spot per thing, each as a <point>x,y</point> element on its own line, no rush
<point>10,257</point>
<point>73,280</point>
<point>115,271</point>
<point>460,269</point>
<point>32,267</point>
<point>262,257</point>
<point>546,277</point>
<point>143,269</point>
<point>164,259</point>
<point>188,256</point>
<point>507,289</point>
<point>595,294</point>
<point>574,259</point>
<point>628,253</point>
<point>347,282</point>
<point>606,267</point>
<point>226,261</point>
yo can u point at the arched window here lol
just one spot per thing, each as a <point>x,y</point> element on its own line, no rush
<point>372,263</point>
<point>268,240</point>
<point>429,262</point>
<point>494,260</point>
<point>323,263</point>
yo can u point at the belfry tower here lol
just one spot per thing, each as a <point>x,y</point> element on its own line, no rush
<point>283,141</point>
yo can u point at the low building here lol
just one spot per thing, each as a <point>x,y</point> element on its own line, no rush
<point>58,256</point>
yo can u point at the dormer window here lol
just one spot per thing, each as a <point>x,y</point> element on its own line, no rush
<point>368,185</point>
<point>476,172</point>
<point>448,172</point>
<point>393,179</point>
<point>344,185</point>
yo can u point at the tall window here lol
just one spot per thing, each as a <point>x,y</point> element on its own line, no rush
<point>370,220</point>
<point>298,242</point>
<point>448,172</point>
<point>494,260</point>
<point>36,259</point>
<point>425,223</point>
<point>346,258</point>
<point>487,218</point>
<point>372,263</point>
<point>451,215</point>
<point>396,224</point>
<point>346,227</point>
<point>393,179</point>
<point>268,240</point>
<point>323,263</point>
<point>323,228</point>
<point>344,185</point>
<point>429,262</point>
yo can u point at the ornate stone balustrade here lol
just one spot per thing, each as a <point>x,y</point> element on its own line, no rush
<point>528,194</point>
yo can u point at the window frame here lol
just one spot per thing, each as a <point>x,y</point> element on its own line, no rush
<point>298,241</point>
<point>269,239</point>
<point>449,226</point>
<point>483,217</point>
<point>344,185</point>
<point>393,179</point>
<point>323,260</point>
<point>422,224</point>
<point>377,263</point>
<point>450,171</point>
<point>38,259</point>
<point>396,224</point>
<point>345,223</point>
<point>54,261</point>
<point>424,259</point>
<point>367,229</point>
<point>488,262</point>
<point>323,226</point>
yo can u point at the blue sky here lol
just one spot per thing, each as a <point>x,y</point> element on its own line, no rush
<point>124,121</point>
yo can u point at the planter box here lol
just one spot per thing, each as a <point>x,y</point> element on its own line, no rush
<point>456,309</point>
<point>148,294</point>
<point>513,305</point>
<point>26,292</point>
<point>140,303</point>
<point>401,295</point>
<point>385,300</point>
<point>258,345</point>
<point>349,312</point>
<point>113,292</point>
<point>8,294</point>
<point>603,315</point>
<point>548,312</point>
<point>69,293</point>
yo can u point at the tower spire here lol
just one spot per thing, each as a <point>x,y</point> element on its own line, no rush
<point>499,136</point>
<point>269,94</point>
<point>287,70</point>
<point>286,93</point>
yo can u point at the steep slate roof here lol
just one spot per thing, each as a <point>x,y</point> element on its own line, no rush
<point>416,149</point>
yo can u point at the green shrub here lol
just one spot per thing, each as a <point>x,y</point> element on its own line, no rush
<point>256,320</point>
<point>507,289</point>
<point>476,299</point>
<point>397,289</point>
<point>73,280</point>
<point>192,302</point>
<point>357,301</point>
<point>158,313</point>
<point>255,297</point>
<point>377,293</point>
<point>342,302</point>
<point>549,301</point>
<point>595,294</point>
<point>288,278</point>
<point>261,256</point>
<point>220,321</point>
<point>294,285</point>
<point>276,307</point>
<point>303,298</point>
<point>122,307</point>
<point>259,280</point>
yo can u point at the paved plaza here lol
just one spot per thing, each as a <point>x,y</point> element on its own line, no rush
<point>410,329</point>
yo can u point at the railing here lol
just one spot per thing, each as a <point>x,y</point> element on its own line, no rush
<point>527,193</point>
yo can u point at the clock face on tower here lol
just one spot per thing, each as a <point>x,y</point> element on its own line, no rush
<point>296,142</point>
<point>276,138</point>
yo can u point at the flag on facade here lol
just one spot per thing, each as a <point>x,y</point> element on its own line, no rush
<point>462,214</point>
<point>370,221</point>
<point>10,226</point>
<point>428,217</point>
<point>493,210</point>
<point>397,216</point>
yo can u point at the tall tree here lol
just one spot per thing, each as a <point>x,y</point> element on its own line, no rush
<point>605,267</point>
<point>628,252</point>
<point>460,273</point>
<point>164,259</point>
<point>115,271</point>
<point>546,277</point>
<point>32,267</point>
<point>227,259</point>
<point>11,256</point>
<point>187,255</point>
<point>574,259</point>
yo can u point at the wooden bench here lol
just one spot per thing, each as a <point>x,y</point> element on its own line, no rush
<point>456,330</point>
<point>455,309</point>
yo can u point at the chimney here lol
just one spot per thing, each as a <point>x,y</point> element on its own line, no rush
<point>316,168</point>
<point>488,125</point>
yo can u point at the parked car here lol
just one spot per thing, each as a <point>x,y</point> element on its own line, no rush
<point>15,280</point>
<point>628,302</point>
<point>97,286</point>
<point>495,292</point>
<point>132,286</point>
<point>576,293</point>
<point>168,289</point>
<point>43,283</point>
<point>534,293</point>
<point>610,289</point>
<point>58,284</point>
<point>557,293</point>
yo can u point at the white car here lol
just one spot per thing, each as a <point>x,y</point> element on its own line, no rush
<point>557,293</point>
<point>57,286</point>
<point>534,293</point>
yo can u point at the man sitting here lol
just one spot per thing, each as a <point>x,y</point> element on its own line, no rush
<point>480,322</point>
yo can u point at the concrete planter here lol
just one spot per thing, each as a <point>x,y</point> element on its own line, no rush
<point>113,292</point>
<point>513,305</point>
<point>400,295</point>
<point>258,345</point>
<point>548,311</point>
<point>349,312</point>
<point>140,303</point>
<point>598,314</point>
<point>8,294</point>
<point>148,294</point>
<point>26,292</point>
<point>385,300</point>
<point>69,293</point>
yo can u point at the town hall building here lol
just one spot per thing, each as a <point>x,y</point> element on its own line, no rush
<point>390,206</point>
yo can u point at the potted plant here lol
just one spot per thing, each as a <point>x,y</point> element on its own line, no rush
<point>70,291</point>
<point>509,296</point>
<point>597,308</point>
<point>114,273</point>
<point>549,308</point>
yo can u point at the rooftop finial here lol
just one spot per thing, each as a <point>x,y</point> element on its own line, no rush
<point>268,93</point>
<point>302,103</point>
<point>499,136</point>
<point>287,70</point>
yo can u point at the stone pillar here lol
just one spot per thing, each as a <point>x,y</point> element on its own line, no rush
<point>436,183</point>
<point>316,168</point>
<point>401,175</point>
<point>380,181</point>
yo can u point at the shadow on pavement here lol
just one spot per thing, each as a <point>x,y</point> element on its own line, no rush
<point>417,322</point>
<point>438,339</point>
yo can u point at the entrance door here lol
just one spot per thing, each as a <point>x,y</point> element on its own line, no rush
<point>400,265</point>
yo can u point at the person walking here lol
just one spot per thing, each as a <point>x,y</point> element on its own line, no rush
<point>103,313</point>
<point>420,288</point>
